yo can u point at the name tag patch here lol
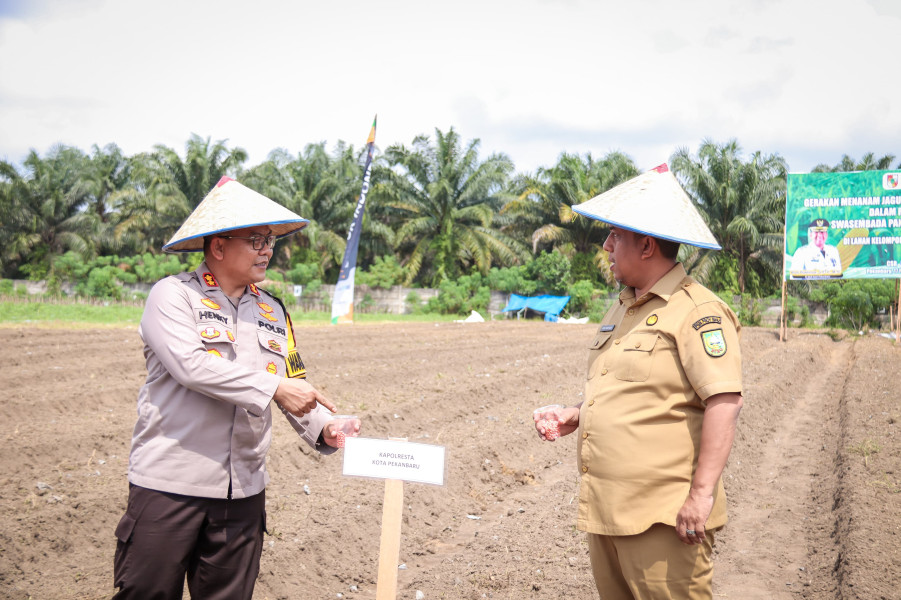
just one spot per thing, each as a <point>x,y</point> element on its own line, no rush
<point>608,327</point>
<point>706,321</point>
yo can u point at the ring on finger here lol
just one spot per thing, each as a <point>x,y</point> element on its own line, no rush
<point>690,532</point>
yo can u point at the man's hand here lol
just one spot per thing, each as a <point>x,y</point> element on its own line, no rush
<point>717,433</point>
<point>299,397</point>
<point>692,517</point>
<point>336,430</point>
<point>567,422</point>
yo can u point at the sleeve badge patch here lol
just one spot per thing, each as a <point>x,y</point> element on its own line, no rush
<point>714,342</point>
<point>706,321</point>
<point>209,333</point>
<point>272,368</point>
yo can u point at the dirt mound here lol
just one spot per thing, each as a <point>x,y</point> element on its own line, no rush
<point>814,480</point>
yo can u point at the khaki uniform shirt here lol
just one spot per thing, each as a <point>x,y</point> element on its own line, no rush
<point>651,367</point>
<point>204,413</point>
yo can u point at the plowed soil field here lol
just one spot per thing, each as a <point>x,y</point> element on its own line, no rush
<point>814,480</point>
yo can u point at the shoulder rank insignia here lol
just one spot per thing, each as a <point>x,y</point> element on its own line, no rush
<point>253,289</point>
<point>714,342</point>
<point>210,280</point>
<point>705,321</point>
<point>209,303</point>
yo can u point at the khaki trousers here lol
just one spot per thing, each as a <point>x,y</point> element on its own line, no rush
<point>653,565</point>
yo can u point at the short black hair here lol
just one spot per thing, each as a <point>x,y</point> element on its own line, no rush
<point>668,248</point>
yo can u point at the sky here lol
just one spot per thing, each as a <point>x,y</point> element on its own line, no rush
<point>808,80</point>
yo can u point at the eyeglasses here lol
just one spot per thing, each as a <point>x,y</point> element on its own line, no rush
<point>258,241</point>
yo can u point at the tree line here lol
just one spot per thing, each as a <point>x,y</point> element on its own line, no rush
<point>438,215</point>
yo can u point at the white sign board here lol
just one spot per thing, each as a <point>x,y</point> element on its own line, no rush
<point>298,290</point>
<point>392,459</point>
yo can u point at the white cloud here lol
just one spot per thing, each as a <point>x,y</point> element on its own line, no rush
<point>533,78</point>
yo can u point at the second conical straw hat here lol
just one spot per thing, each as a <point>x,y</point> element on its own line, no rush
<point>654,204</point>
<point>230,205</point>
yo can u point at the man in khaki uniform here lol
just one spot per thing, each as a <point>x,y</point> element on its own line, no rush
<point>661,402</point>
<point>219,350</point>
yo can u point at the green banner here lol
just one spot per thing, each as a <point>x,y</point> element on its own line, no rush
<point>843,225</point>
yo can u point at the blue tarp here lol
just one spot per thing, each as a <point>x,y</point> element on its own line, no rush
<point>549,305</point>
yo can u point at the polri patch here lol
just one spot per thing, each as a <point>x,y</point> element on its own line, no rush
<point>714,342</point>
<point>652,320</point>
<point>706,321</point>
<point>608,327</point>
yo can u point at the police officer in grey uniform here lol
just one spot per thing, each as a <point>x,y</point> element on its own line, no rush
<point>219,350</point>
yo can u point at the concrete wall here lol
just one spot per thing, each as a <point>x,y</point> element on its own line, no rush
<point>391,301</point>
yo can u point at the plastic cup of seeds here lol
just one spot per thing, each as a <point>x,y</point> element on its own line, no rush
<point>548,418</point>
<point>345,426</point>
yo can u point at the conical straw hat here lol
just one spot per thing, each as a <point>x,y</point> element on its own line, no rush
<point>652,204</point>
<point>229,206</point>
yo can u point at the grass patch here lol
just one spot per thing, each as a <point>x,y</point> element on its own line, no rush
<point>68,314</point>
<point>887,484</point>
<point>315,317</point>
<point>58,314</point>
<point>866,448</point>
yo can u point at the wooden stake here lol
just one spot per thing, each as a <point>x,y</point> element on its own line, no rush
<point>389,550</point>
<point>898,320</point>
<point>782,332</point>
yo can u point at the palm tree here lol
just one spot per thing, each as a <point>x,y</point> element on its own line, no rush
<point>43,211</point>
<point>444,200</point>
<point>543,204</point>
<point>109,178</point>
<point>168,188</point>
<point>743,203</point>
<point>324,189</point>
<point>869,162</point>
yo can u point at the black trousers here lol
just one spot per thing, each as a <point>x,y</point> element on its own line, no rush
<point>163,537</point>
